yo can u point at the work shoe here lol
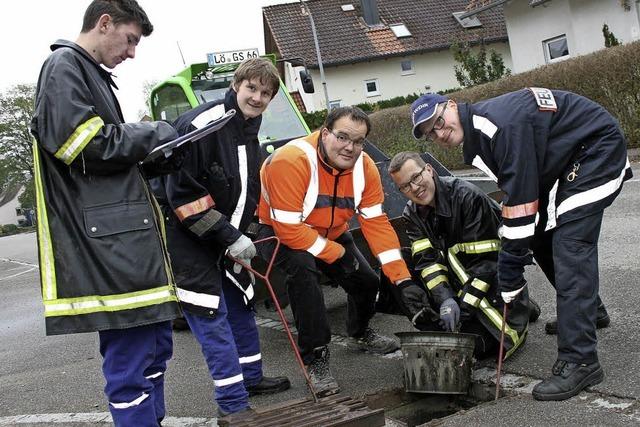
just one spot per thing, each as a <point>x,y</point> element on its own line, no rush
<point>320,375</point>
<point>534,310</point>
<point>602,321</point>
<point>269,385</point>
<point>222,413</point>
<point>373,342</point>
<point>568,379</point>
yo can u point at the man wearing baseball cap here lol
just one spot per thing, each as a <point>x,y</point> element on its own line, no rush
<point>560,159</point>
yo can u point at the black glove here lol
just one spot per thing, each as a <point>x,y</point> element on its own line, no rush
<point>413,299</point>
<point>449,315</point>
<point>347,263</point>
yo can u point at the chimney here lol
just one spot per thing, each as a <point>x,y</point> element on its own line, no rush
<point>370,12</point>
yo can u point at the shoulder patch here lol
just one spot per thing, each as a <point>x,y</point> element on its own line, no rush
<point>208,116</point>
<point>544,99</point>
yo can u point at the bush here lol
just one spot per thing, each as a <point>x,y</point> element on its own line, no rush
<point>9,229</point>
<point>610,77</point>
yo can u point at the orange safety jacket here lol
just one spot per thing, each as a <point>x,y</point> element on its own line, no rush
<point>309,204</point>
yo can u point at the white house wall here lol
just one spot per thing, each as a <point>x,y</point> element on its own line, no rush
<point>346,82</point>
<point>580,20</point>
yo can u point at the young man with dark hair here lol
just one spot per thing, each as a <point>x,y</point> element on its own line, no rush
<point>453,229</point>
<point>560,159</point>
<point>311,188</point>
<point>103,264</point>
<point>209,205</point>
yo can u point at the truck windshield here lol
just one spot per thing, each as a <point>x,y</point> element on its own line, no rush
<point>279,121</point>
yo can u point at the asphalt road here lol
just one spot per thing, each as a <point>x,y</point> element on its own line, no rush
<point>58,381</point>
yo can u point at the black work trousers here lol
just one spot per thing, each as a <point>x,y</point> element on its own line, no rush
<point>568,255</point>
<point>303,273</point>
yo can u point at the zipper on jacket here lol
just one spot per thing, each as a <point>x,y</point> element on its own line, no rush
<point>333,203</point>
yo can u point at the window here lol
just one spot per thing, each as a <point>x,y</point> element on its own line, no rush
<point>335,104</point>
<point>371,87</point>
<point>556,49</point>
<point>406,67</point>
<point>400,30</point>
<point>169,102</point>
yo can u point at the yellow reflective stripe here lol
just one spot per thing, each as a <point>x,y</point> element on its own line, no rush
<point>471,300</point>
<point>436,281</point>
<point>79,139</point>
<point>480,285</point>
<point>433,268</point>
<point>456,266</point>
<point>496,318</point>
<point>479,247</point>
<point>95,304</point>
<point>45,248</point>
<point>420,245</point>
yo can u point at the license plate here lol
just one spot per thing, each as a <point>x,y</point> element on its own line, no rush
<point>231,56</point>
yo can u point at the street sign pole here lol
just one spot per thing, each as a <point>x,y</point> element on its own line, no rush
<point>315,40</point>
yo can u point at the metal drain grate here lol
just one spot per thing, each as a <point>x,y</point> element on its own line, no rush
<point>336,410</point>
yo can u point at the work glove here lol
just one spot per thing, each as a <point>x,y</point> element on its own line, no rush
<point>243,249</point>
<point>449,315</point>
<point>508,296</point>
<point>413,298</point>
<point>348,263</point>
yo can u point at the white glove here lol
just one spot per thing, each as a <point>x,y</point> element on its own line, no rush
<point>507,297</point>
<point>243,249</point>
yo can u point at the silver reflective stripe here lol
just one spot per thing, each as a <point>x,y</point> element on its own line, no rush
<point>312,189</point>
<point>152,376</point>
<point>250,359</point>
<point>518,232</point>
<point>79,139</point>
<point>126,405</point>
<point>484,125</point>
<point>286,217</point>
<point>420,245</point>
<point>389,256</point>
<point>208,116</point>
<point>358,180</point>
<point>204,224</point>
<point>54,308</point>
<point>593,195</point>
<point>228,381</point>
<point>372,211</point>
<point>242,166</point>
<point>248,293</point>
<point>318,246</point>
<point>551,207</point>
<point>480,164</point>
<point>199,299</point>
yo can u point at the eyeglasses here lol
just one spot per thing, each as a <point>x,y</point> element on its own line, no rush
<point>345,140</point>
<point>437,125</point>
<point>416,179</point>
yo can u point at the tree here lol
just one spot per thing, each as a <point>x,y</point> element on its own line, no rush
<point>16,110</point>
<point>609,38</point>
<point>474,68</point>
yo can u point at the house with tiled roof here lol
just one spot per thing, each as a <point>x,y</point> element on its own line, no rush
<point>373,50</point>
<point>545,31</point>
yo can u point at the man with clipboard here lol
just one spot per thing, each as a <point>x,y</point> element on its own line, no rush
<point>208,205</point>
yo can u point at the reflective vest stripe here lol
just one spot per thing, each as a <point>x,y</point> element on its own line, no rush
<point>371,212</point>
<point>248,293</point>
<point>250,359</point>
<point>520,211</point>
<point>318,246</point>
<point>520,232</point>
<point>432,269</point>
<point>485,126</point>
<point>435,282</point>
<point>496,318</point>
<point>480,285</point>
<point>471,300</point>
<point>195,207</point>
<point>152,376</point>
<point>313,188</point>
<point>228,381</point>
<point>469,248</point>
<point>126,405</point>
<point>420,245</point>
<point>389,256</point>
<point>95,304</point>
<point>79,139</point>
<point>45,248</point>
<point>593,195</point>
<point>286,217</point>
<point>358,181</point>
<point>236,217</point>
<point>199,299</point>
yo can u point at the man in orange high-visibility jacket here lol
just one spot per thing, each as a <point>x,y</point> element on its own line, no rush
<point>311,188</point>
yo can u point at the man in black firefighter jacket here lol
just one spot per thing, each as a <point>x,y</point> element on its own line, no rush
<point>453,229</point>
<point>560,160</point>
<point>208,206</point>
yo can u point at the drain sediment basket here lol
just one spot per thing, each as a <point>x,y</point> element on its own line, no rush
<point>437,362</point>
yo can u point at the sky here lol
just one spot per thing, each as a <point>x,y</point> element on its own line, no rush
<point>29,27</point>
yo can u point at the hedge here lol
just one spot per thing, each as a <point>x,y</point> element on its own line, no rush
<point>610,77</point>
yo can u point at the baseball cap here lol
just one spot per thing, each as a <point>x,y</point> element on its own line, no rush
<point>423,109</point>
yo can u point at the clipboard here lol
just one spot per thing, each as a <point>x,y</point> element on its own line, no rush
<point>167,148</point>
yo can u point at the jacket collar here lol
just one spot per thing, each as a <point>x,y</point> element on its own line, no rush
<point>108,76</point>
<point>470,148</point>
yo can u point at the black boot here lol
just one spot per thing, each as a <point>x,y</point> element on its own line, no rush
<point>602,321</point>
<point>568,379</point>
<point>320,375</point>
<point>534,310</point>
<point>269,385</point>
